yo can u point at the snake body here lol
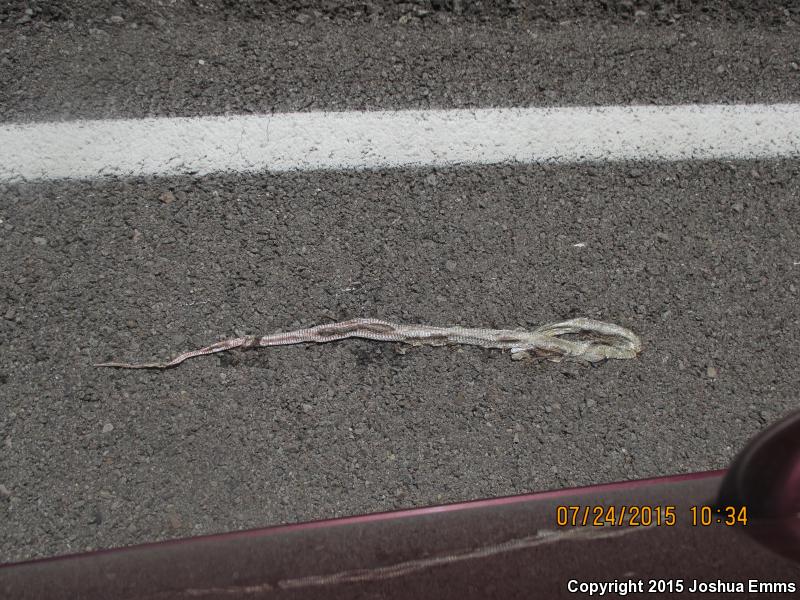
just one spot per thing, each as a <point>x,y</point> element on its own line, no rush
<point>595,340</point>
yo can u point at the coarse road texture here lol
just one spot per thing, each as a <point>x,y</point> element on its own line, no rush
<point>701,259</point>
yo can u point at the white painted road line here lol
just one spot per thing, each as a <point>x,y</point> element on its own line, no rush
<point>369,140</point>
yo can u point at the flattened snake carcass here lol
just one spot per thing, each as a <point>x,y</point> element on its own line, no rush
<point>594,341</point>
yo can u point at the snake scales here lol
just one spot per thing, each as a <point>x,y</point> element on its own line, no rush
<point>594,341</point>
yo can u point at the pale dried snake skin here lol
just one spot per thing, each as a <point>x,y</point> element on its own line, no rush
<point>596,341</point>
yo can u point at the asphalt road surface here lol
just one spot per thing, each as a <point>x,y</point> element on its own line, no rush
<point>701,259</point>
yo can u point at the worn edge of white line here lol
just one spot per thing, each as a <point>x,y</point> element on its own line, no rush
<point>388,139</point>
